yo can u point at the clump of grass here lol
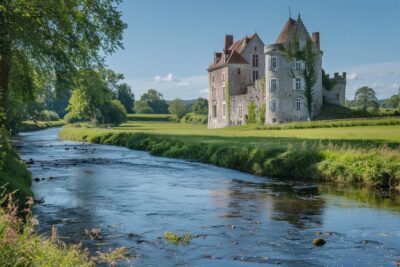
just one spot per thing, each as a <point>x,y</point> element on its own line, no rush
<point>113,256</point>
<point>177,239</point>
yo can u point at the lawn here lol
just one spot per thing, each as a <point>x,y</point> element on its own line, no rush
<point>346,151</point>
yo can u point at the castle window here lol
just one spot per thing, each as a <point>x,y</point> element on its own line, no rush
<point>240,111</point>
<point>274,104</point>
<point>298,64</point>
<point>223,109</point>
<point>298,84</point>
<point>298,104</point>
<point>255,60</point>
<point>255,48</point>
<point>273,120</point>
<point>255,76</point>
<point>273,85</point>
<point>273,63</point>
<point>238,71</point>
<point>213,79</point>
<point>337,97</point>
<point>223,77</point>
<point>214,110</point>
<point>223,92</point>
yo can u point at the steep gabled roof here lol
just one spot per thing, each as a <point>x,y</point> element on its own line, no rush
<point>285,31</point>
<point>236,58</point>
<point>240,44</point>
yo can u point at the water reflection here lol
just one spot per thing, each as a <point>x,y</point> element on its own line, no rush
<point>241,220</point>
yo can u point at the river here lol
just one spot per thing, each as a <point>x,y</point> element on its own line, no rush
<point>238,219</point>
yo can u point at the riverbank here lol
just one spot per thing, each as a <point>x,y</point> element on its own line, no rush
<point>27,126</point>
<point>274,153</point>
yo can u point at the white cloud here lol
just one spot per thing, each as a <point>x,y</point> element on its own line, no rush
<point>190,87</point>
<point>384,78</point>
<point>352,76</point>
<point>168,78</point>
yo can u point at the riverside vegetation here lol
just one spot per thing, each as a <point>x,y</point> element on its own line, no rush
<point>364,151</point>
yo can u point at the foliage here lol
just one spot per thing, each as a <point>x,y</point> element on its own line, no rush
<point>39,125</point>
<point>155,101</point>
<point>177,108</point>
<point>326,82</point>
<point>393,102</point>
<point>268,156</point>
<point>200,107</point>
<point>176,239</point>
<point>141,107</point>
<point>89,96</point>
<point>260,116</point>
<point>365,97</point>
<point>47,115</point>
<point>113,112</point>
<point>151,117</point>
<point>251,112</point>
<point>309,72</point>
<point>192,118</point>
<point>60,37</point>
<point>113,256</point>
<point>125,96</point>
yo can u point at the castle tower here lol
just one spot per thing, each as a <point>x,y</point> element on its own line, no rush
<point>285,84</point>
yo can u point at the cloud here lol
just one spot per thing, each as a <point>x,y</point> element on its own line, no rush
<point>190,87</point>
<point>352,76</point>
<point>384,78</point>
<point>168,78</point>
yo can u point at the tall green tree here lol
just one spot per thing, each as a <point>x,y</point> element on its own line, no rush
<point>38,36</point>
<point>124,94</point>
<point>155,101</point>
<point>309,56</point>
<point>177,107</point>
<point>365,97</point>
<point>393,102</point>
<point>200,107</point>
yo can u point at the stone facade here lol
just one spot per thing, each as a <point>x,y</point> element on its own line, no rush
<point>248,73</point>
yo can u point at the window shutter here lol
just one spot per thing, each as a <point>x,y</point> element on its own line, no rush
<point>302,84</point>
<point>277,63</point>
<point>270,85</point>
<point>277,105</point>
<point>277,84</point>
<point>302,65</point>
<point>294,83</point>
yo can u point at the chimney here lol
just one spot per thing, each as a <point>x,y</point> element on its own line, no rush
<point>315,39</point>
<point>228,41</point>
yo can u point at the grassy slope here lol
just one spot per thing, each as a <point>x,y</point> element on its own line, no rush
<point>39,125</point>
<point>350,154</point>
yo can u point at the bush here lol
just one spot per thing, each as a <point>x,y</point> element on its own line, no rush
<point>71,118</point>
<point>47,115</point>
<point>192,118</point>
<point>145,110</point>
<point>114,112</point>
<point>141,107</point>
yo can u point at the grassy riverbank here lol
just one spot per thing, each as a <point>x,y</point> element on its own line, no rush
<point>365,154</point>
<point>39,125</point>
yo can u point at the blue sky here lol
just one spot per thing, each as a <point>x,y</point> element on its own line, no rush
<point>170,43</point>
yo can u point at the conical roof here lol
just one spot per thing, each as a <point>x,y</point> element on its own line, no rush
<point>285,31</point>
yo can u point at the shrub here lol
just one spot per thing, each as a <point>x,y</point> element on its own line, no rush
<point>47,115</point>
<point>114,112</point>
<point>192,118</point>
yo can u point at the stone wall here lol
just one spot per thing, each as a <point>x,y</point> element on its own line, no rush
<point>336,94</point>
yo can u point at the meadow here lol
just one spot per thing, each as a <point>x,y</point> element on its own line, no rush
<point>358,151</point>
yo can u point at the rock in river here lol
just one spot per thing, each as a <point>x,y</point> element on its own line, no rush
<point>318,242</point>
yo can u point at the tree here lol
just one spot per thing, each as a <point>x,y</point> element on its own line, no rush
<point>155,101</point>
<point>393,102</point>
<point>125,96</point>
<point>200,107</point>
<point>141,107</point>
<point>178,108</point>
<point>309,57</point>
<point>365,97</point>
<point>114,112</point>
<point>39,37</point>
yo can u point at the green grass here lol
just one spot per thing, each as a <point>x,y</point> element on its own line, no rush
<point>39,125</point>
<point>178,239</point>
<point>353,154</point>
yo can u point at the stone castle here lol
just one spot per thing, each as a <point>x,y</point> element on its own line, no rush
<point>248,75</point>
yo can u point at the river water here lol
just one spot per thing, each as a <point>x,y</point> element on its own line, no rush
<point>238,219</point>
